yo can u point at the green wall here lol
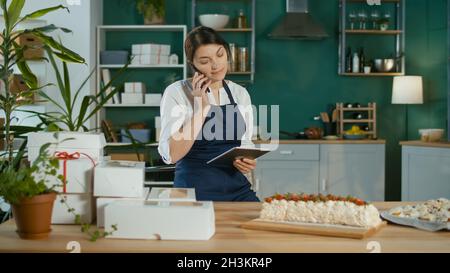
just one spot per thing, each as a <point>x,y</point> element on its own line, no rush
<point>301,76</point>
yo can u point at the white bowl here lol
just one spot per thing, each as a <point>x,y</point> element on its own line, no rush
<point>214,21</point>
<point>431,135</point>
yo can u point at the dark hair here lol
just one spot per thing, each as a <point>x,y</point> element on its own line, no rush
<point>200,36</point>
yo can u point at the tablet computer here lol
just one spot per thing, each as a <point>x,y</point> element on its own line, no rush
<point>229,156</point>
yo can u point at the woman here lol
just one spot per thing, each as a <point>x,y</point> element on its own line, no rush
<point>203,117</point>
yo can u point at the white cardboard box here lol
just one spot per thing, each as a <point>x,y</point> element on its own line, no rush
<point>133,98</point>
<point>70,142</point>
<point>155,49</point>
<point>102,202</point>
<point>150,59</point>
<point>135,87</point>
<point>161,220</point>
<point>82,203</point>
<point>172,194</point>
<point>119,179</point>
<point>79,176</point>
<point>153,99</point>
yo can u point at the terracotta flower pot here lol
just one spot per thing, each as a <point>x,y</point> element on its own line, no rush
<point>33,216</point>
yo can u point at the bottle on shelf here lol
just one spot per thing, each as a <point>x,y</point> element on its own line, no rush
<point>362,60</point>
<point>355,68</point>
<point>348,60</point>
<point>242,20</point>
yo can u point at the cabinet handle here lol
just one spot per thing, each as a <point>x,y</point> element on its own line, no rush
<point>324,185</point>
<point>286,152</point>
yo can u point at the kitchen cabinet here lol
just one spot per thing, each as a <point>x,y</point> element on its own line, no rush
<point>291,168</point>
<point>342,168</point>
<point>356,170</point>
<point>425,171</point>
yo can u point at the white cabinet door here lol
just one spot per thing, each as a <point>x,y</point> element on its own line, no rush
<point>286,176</point>
<point>425,173</point>
<point>353,169</point>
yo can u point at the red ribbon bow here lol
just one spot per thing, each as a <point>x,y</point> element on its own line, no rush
<point>66,156</point>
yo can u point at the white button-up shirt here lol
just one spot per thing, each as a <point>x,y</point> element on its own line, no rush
<point>176,110</point>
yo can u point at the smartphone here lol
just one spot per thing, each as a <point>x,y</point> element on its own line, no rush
<point>198,71</point>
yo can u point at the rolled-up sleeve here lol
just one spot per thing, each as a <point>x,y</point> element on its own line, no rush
<point>175,110</point>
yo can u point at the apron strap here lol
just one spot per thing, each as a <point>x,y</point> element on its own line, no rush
<point>227,89</point>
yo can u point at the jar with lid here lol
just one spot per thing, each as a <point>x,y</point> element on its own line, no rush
<point>243,59</point>
<point>233,62</point>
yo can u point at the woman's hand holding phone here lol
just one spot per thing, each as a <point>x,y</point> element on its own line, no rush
<point>200,85</point>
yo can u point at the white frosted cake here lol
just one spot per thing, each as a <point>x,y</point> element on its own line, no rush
<point>320,209</point>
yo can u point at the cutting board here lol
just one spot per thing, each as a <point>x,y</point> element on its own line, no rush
<point>314,229</point>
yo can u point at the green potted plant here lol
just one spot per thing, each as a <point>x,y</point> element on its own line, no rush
<point>18,183</point>
<point>152,10</point>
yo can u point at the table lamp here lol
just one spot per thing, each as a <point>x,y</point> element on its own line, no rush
<point>407,90</point>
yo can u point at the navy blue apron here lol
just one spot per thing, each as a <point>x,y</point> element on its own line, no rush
<point>216,183</point>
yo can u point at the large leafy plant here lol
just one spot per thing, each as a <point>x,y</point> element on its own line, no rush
<point>12,54</point>
<point>68,114</point>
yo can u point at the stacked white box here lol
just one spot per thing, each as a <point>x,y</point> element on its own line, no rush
<point>69,142</point>
<point>147,49</point>
<point>102,202</point>
<point>150,54</point>
<point>119,179</point>
<point>79,176</point>
<point>150,59</point>
<point>153,99</point>
<point>161,220</point>
<point>135,87</point>
<point>133,98</point>
<point>172,194</point>
<point>83,204</point>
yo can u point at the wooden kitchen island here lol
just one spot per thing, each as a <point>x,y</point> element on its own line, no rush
<point>230,237</point>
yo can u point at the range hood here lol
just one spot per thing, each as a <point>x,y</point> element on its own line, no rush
<point>298,24</point>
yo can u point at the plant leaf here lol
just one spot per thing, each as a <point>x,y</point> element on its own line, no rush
<point>83,109</point>
<point>66,53</point>
<point>42,12</point>
<point>14,10</point>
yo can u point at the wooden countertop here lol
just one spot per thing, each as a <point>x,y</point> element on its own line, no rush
<point>418,143</point>
<point>230,237</point>
<point>321,141</point>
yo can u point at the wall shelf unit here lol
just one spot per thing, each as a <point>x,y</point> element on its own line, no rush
<point>123,37</point>
<point>250,31</point>
<point>398,33</point>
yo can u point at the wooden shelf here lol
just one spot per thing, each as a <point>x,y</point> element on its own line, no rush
<point>356,109</point>
<point>375,74</point>
<point>373,32</point>
<point>365,1</point>
<point>240,73</point>
<point>358,120</point>
<point>234,29</point>
<point>129,105</point>
<point>118,66</point>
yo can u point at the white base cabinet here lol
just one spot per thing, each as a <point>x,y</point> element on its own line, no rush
<point>425,173</point>
<point>344,169</point>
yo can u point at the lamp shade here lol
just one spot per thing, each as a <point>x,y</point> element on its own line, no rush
<point>407,90</point>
